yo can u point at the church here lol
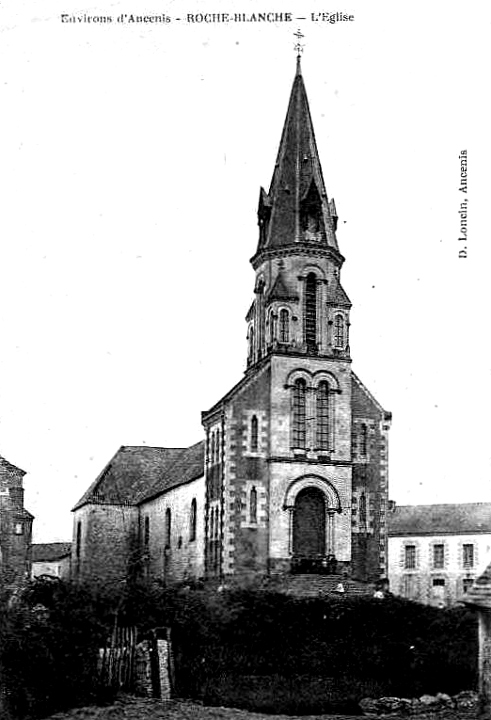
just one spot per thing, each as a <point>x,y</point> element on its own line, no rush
<point>292,474</point>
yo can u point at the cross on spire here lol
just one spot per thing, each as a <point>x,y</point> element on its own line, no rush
<point>298,44</point>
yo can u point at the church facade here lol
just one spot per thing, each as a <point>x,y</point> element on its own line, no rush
<point>292,476</point>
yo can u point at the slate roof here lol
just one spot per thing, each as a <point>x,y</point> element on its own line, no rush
<point>297,173</point>
<point>47,552</point>
<point>445,519</point>
<point>139,473</point>
<point>280,290</point>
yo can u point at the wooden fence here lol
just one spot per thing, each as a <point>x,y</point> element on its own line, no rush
<point>117,659</point>
<point>145,667</point>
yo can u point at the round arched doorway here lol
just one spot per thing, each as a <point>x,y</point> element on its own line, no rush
<point>309,524</point>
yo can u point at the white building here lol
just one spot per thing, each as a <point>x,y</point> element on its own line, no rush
<point>437,551</point>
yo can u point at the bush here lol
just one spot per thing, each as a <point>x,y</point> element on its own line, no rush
<point>48,649</point>
<point>243,648</point>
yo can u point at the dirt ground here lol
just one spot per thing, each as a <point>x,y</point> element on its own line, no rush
<point>130,708</point>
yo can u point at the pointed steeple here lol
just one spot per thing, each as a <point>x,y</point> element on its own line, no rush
<point>297,210</point>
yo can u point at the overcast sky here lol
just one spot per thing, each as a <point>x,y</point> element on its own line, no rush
<point>131,161</point>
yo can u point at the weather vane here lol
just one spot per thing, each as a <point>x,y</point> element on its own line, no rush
<point>298,44</point>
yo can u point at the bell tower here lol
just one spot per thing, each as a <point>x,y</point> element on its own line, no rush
<point>296,462</point>
<point>300,306</point>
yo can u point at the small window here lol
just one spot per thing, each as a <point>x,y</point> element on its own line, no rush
<point>192,520</point>
<point>438,556</point>
<point>410,557</point>
<point>467,583</point>
<point>253,506</point>
<point>212,448</point>
<point>272,327</point>
<point>78,541</point>
<point>19,528</point>
<point>254,434</point>
<point>363,440</point>
<point>468,555</point>
<point>217,447</point>
<point>284,326</point>
<point>168,522</point>
<point>250,350</point>
<point>339,335</point>
<point>362,513</point>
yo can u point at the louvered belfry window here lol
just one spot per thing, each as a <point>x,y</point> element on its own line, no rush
<point>322,430</point>
<point>299,424</point>
<point>284,326</point>
<point>310,315</point>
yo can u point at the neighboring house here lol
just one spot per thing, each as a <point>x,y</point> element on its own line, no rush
<point>15,528</point>
<point>437,551</point>
<point>53,559</point>
<point>292,476</point>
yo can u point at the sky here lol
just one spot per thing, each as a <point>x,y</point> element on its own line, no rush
<point>132,157</point>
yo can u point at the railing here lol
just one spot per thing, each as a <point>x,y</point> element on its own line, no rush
<point>313,565</point>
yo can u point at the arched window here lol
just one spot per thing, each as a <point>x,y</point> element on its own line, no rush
<point>192,520</point>
<point>322,427</point>
<point>299,424</point>
<point>168,521</point>
<point>310,312</point>
<point>284,326</point>
<point>254,434</point>
<point>339,335</point>
<point>253,505</point>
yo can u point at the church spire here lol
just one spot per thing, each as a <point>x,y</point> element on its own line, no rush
<point>296,210</point>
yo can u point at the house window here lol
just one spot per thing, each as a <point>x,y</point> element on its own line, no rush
<point>322,429</point>
<point>410,557</point>
<point>284,326</point>
<point>310,312</point>
<point>253,506</point>
<point>438,557</point>
<point>299,424</point>
<point>192,520</point>
<point>168,527</point>
<point>468,555</point>
<point>146,531</point>
<point>19,528</point>
<point>467,583</point>
<point>254,434</point>
<point>438,582</point>
<point>339,339</point>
